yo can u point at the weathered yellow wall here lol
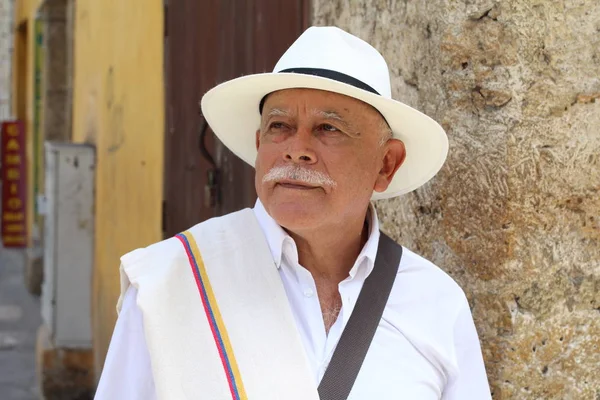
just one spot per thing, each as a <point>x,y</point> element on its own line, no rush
<point>19,61</point>
<point>118,106</point>
<point>23,85</point>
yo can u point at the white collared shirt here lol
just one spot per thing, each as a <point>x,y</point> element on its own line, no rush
<point>426,346</point>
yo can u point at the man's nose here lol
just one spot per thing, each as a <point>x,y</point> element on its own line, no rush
<point>300,150</point>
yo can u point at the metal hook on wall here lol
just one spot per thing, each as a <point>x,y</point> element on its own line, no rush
<point>211,189</point>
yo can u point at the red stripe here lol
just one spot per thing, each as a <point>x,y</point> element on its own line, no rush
<point>207,312</point>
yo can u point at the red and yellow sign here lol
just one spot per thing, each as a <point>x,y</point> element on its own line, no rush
<point>14,184</point>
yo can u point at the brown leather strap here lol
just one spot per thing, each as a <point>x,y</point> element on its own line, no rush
<point>360,329</point>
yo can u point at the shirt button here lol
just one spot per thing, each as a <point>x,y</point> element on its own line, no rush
<point>308,292</point>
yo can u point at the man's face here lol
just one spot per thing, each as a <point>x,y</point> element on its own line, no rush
<point>320,157</point>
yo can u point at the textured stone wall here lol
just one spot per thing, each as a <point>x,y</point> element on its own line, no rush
<point>6,45</point>
<point>514,216</point>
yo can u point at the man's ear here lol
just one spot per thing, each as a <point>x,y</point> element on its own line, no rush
<point>257,139</point>
<point>394,156</point>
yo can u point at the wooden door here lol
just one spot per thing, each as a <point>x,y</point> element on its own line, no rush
<point>208,42</point>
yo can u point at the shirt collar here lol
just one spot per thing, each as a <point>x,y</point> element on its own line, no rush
<point>276,237</point>
<point>274,233</point>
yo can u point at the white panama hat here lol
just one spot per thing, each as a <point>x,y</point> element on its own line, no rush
<point>328,58</point>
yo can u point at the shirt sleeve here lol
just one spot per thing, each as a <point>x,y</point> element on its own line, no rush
<point>127,374</point>
<point>470,383</point>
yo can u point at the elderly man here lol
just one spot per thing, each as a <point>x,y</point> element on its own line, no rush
<point>301,297</point>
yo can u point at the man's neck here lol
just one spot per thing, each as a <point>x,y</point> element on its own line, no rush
<point>329,253</point>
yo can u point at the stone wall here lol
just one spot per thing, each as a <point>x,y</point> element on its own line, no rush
<point>6,45</point>
<point>57,78</point>
<point>514,216</point>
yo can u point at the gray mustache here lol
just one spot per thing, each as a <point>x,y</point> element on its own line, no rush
<point>300,174</point>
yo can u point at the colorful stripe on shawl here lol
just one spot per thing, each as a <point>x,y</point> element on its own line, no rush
<point>213,315</point>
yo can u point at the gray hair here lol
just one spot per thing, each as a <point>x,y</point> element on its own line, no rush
<point>386,132</point>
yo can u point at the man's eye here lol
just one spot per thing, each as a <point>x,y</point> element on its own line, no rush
<point>277,125</point>
<point>329,128</point>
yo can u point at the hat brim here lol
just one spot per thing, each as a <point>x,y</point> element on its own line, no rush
<point>231,109</point>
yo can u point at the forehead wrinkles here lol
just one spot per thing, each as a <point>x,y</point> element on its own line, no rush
<point>325,114</point>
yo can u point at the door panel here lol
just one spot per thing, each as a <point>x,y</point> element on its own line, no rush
<point>208,42</point>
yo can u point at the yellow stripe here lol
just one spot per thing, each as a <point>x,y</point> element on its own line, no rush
<point>217,314</point>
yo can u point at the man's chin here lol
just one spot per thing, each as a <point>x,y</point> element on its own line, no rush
<point>296,215</point>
